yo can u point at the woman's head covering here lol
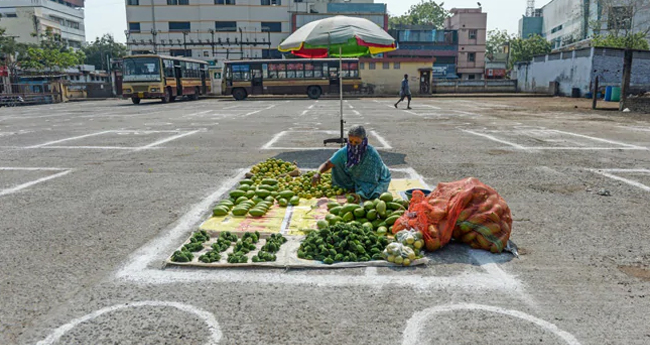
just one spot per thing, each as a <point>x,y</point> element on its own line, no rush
<point>356,152</point>
<point>357,131</point>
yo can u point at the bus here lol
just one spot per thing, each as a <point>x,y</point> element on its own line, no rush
<point>163,77</point>
<point>312,77</point>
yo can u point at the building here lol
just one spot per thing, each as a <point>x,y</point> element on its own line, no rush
<point>471,26</point>
<point>565,22</point>
<point>306,12</point>
<point>384,75</point>
<point>29,20</point>
<point>426,42</point>
<point>562,72</point>
<point>217,30</point>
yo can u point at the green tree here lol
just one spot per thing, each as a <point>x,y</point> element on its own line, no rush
<point>523,50</point>
<point>102,48</point>
<point>632,41</point>
<point>496,40</point>
<point>425,13</point>
<point>51,54</point>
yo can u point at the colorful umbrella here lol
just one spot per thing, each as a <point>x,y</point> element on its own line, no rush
<point>338,36</point>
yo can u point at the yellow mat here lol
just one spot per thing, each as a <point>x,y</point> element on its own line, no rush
<point>298,218</point>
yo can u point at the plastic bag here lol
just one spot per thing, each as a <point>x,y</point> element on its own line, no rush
<point>466,210</point>
<point>399,254</point>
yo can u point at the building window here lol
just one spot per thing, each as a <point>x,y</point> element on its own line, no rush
<point>271,27</point>
<point>472,34</point>
<point>179,26</point>
<point>178,2</point>
<point>225,26</point>
<point>396,65</point>
<point>181,52</point>
<point>362,65</point>
<point>270,2</point>
<point>73,25</point>
<point>471,77</point>
<point>471,57</point>
<point>134,27</point>
<point>371,65</point>
<point>133,2</point>
<point>9,15</point>
<point>271,54</point>
<point>224,2</point>
<point>556,29</point>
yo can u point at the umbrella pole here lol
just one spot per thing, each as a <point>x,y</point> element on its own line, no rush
<point>341,91</point>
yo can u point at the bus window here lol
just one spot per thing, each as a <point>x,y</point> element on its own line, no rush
<point>309,70</point>
<point>345,69</point>
<point>169,68</point>
<point>273,71</point>
<point>354,70</point>
<point>282,74</point>
<point>241,72</point>
<point>265,71</point>
<point>291,71</point>
<point>325,70</point>
<point>318,70</point>
<point>299,71</point>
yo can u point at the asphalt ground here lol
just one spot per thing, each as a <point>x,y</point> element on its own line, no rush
<point>95,195</point>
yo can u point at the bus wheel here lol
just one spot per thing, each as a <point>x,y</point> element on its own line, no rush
<point>135,100</point>
<point>314,92</point>
<point>239,94</point>
<point>195,96</point>
<point>167,97</point>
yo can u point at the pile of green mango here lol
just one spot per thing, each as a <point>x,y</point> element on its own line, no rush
<point>376,215</point>
<point>255,201</point>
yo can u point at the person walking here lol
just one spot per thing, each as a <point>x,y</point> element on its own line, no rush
<point>405,92</point>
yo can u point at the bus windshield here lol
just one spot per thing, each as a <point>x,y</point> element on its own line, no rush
<point>141,69</point>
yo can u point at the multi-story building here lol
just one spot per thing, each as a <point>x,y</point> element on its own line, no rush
<point>565,22</point>
<point>471,25</point>
<point>29,20</point>
<point>216,30</point>
<point>425,41</point>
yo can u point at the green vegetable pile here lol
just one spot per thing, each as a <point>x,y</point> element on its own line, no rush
<point>272,246</point>
<point>195,245</point>
<point>343,243</point>
<point>376,215</point>
<point>223,243</point>
<point>243,247</point>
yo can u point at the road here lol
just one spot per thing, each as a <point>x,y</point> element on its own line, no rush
<point>95,195</point>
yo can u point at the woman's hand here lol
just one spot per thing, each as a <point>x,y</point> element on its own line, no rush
<point>315,180</point>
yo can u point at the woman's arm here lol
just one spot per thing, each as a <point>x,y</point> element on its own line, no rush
<point>323,168</point>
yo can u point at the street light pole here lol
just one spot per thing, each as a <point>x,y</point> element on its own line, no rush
<point>211,31</point>
<point>154,33</point>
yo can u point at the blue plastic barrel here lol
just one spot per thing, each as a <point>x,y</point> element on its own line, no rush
<point>608,94</point>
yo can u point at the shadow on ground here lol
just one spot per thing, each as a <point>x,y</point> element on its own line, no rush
<point>312,159</point>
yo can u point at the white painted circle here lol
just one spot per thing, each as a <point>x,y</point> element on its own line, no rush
<point>416,323</point>
<point>208,318</point>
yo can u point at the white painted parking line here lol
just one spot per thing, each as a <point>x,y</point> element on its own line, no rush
<point>420,322</point>
<point>20,187</point>
<point>257,111</point>
<point>270,144</point>
<point>609,173</point>
<point>160,142</point>
<point>68,139</point>
<point>599,139</point>
<point>495,139</point>
<point>208,318</point>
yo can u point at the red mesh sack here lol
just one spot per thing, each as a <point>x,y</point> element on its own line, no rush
<point>485,220</point>
<point>466,210</point>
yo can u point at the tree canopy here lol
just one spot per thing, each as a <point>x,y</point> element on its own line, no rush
<point>51,54</point>
<point>424,13</point>
<point>496,40</point>
<point>101,49</point>
<point>523,50</point>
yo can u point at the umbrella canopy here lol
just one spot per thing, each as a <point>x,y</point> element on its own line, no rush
<point>351,36</point>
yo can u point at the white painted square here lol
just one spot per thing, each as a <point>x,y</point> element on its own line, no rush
<point>16,179</point>
<point>633,177</point>
<point>550,139</point>
<point>313,140</point>
<point>144,136</point>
